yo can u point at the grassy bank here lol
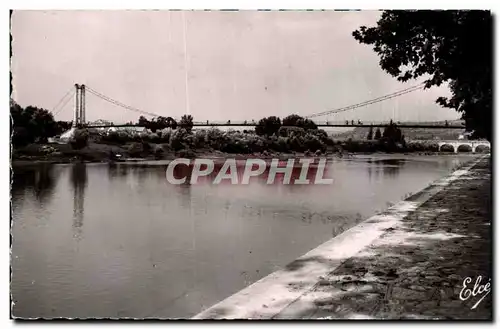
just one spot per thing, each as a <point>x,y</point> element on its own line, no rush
<point>169,144</point>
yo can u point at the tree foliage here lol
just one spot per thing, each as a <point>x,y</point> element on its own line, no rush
<point>370,134</point>
<point>31,124</point>
<point>268,126</point>
<point>79,139</point>
<point>445,46</point>
<point>295,120</point>
<point>186,122</point>
<point>392,133</point>
<point>158,123</point>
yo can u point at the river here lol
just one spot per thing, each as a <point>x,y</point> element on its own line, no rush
<point>102,240</point>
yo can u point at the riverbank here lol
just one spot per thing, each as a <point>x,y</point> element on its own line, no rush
<point>108,153</point>
<point>409,262</point>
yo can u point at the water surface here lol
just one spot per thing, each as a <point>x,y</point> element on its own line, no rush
<point>101,240</point>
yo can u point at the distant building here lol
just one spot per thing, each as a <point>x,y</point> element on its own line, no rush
<point>131,130</point>
<point>100,122</point>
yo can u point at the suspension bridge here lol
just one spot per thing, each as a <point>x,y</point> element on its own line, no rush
<point>79,118</point>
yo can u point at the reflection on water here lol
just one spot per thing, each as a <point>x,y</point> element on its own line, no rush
<point>388,167</point>
<point>78,179</point>
<point>39,181</point>
<point>104,240</point>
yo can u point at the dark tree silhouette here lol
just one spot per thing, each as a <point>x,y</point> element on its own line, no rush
<point>292,120</point>
<point>392,133</point>
<point>449,46</point>
<point>172,123</point>
<point>143,121</point>
<point>378,134</point>
<point>31,124</point>
<point>158,123</point>
<point>295,120</point>
<point>268,126</point>
<point>186,122</point>
<point>370,134</point>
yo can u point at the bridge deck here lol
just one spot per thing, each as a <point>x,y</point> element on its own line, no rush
<point>428,126</point>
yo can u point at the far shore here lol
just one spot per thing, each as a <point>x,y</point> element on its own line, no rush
<point>109,154</point>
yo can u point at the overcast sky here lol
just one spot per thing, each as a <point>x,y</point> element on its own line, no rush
<point>239,65</point>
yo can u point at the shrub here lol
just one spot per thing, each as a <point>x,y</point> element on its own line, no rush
<point>200,138</point>
<point>135,149</point>
<point>79,139</point>
<point>215,138</point>
<point>179,139</point>
<point>236,146</point>
<point>313,143</point>
<point>283,145</point>
<point>320,133</point>
<point>158,151</point>
<point>165,135</point>
<point>296,143</point>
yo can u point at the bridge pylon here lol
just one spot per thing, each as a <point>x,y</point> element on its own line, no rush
<point>79,119</point>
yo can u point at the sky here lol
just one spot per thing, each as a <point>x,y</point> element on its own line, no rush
<point>214,65</point>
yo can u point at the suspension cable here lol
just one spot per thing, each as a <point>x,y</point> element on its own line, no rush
<point>61,100</point>
<point>64,104</point>
<point>117,103</point>
<point>369,102</point>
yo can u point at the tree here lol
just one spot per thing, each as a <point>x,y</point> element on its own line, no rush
<point>186,122</point>
<point>31,124</point>
<point>171,123</point>
<point>161,123</point>
<point>158,123</point>
<point>392,133</point>
<point>453,46</point>
<point>378,134</point>
<point>292,120</point>
<point>143,121</point>
<point>307,124</point>
<point>295,120</point>
<point>370,134</point>
<point>268,126</point>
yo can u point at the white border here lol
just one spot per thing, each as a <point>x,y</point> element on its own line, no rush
<point>199,4</point>
<point>251,4</point>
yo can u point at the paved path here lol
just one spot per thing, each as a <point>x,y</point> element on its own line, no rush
<point>415,269</point>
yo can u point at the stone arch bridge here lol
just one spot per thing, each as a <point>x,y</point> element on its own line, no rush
<point>457,143</point>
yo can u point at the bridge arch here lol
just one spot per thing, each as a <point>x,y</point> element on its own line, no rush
<point>482,148</point>
<point>446,147</point>
<point>465,148</point>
